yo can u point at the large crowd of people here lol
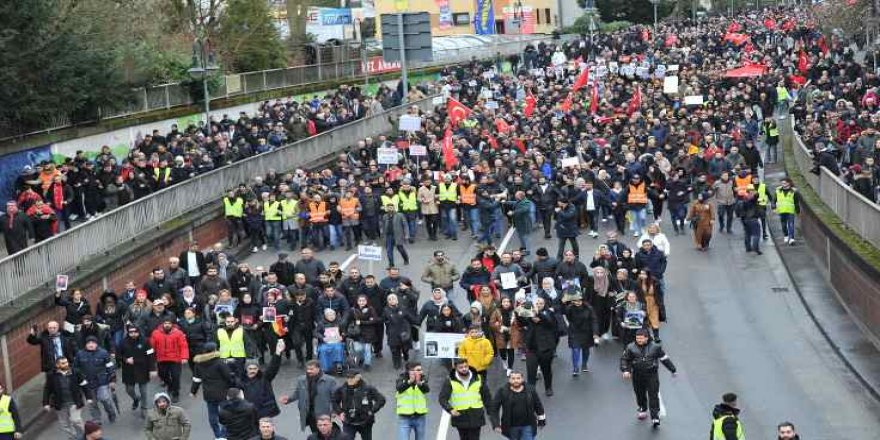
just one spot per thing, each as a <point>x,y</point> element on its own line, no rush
<point>582,139</point>
<point>50,196</point>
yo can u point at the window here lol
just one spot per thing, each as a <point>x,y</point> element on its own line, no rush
<point>547,16</point>
<point>538,16</point>
<point>461,18</point>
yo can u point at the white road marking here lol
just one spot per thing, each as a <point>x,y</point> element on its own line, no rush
<point>347,261</point>
<point>506,240</point>
<point>662,412</point>
<point>443,429</point>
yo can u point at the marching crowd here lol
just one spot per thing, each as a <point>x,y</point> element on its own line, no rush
<point>50,197</point>
<point>582,140</point>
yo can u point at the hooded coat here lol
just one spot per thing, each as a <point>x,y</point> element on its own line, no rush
<point>170,424</point>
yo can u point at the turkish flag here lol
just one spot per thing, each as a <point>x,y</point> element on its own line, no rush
<point>635,102</point>
<point>581,80</point>
<point>671,40</point>
<point>457,111</point>
<point>798,79</point>
<point>566,105</point>
<point>491,140</point>
<point>520,145</point>
<point>531,103</point>
<point>502,126</point>
<point>803,62</point>
<point>448,151</point>
<point>823,46</point>
<point>787,25</point>
<point>734,27</point>
<point>594,99</point>
<point>769,23</point>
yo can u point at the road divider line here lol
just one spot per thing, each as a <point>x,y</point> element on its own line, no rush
<point>446,419</point>
<point>347,261</point>
<point>662,412</point>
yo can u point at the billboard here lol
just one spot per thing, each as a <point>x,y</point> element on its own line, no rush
<point>484,18</point>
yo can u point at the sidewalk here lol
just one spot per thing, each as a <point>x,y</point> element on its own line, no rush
<point>854,348</point>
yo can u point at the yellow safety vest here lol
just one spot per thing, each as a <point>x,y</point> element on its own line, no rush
<point>773,132</point>
<point>781,94</point>
<point>762,194</point>
<point>157,173</point>
<point>271,211</point>
<point>233,209</point>
<point>289,208</point>
<point>231,348</point>
<point>466,398</point>
<point>411,402</point>
<point>718,434</point>
<point>784,202</point>
<point>7,423</point>
<point>393,200</point>
<point>408,203</point>
<point>448,194</point>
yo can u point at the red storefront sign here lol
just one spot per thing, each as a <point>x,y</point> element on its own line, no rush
<point>376,65</point>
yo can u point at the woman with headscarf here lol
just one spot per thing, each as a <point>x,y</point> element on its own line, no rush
<point>602,299</point>
<point>506,330</point>
<point>701,216</point>
<point>650,292</point>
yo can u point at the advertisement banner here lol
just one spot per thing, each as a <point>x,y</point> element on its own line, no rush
<point>484,19</point>
<point>377,64</point>
<point>444,20</point>
<point>328,23</point>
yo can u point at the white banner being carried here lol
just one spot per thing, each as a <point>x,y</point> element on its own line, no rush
<point>442,345</point>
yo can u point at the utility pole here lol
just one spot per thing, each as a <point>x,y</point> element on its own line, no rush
<point>403,72</point>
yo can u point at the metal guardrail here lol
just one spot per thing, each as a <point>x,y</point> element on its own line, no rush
<point>37,265</point>
<point>855,210</point>
<point>172,95</point>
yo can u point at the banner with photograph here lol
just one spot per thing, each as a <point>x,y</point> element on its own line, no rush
<point>442,345</point>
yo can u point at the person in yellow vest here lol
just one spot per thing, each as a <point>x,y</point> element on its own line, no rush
<point>230,343</point>
<point>430,208</point>
<point>409,206</point>
<point>390,198</point>
<point>465,397</point>
<point>161,175</point>
<point>447,193</point>
<point>786,202</point>
<point>319,232</point>
<point>10,422</point>
<point>233,211</point>
<point>725,420</point>
<point>763,200</point>
<point>290,218</point>
<point>350,209</point>
<point>412,403</point>
<point>468,195</point>
<point>782,98</point>
<point>272,218</point>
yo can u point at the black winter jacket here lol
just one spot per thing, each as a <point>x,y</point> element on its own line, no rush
<point>359,403</point>
<point>47,352</point>
<point>239,417</point>
<point>642,359</point>
<point>502,404</point>
<point>143,359</point>
<point>469,418</point>
<point>258,390</point>
<point>214,374</point>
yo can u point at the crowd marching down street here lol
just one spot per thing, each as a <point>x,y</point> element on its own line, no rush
<point>587,144</point>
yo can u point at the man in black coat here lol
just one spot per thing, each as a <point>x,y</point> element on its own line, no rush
<point>566,227</point>
<point>66,391</point>
<point>545,195</point>
<point>138,360</point>
<point>217,378</point>
<point>53,344</point>
<point>16,227</point>
<point>238,416</point>
<point>356,403</point>
<point>517,409</point>
<point>640,363</point>
<point>201,266</point>
<point>257,383</point>
<point>468,420</point>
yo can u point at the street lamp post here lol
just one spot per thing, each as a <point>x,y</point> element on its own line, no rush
<point>655,2</point>
<point>203,66</point>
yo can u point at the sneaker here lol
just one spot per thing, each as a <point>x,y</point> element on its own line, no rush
<point>655,422</point>
<point>135,404</point>
<point>508,371</point>
<point>265,247</point>
<point>594,234</point>
<point>585,370</point>
<point>549,393</point>
<point>575,373</point>
<point>642,414</point>
<point>791,242</point>
<point>786,240</point>
<point>606,336</point>
<point>636,234</point>
<point>604,220</point>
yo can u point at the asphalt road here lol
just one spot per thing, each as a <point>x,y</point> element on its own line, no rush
<point>735,324</point>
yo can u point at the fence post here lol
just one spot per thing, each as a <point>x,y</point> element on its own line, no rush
<point>146,100</point>
<point>265,86</point>
<point>167,96</point>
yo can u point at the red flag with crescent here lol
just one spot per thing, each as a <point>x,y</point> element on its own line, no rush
<point>457,111</point>
<point>769,23</point>
<point>635,102</point>
<point>502,126</point>
<point>448,151</point>
<point>531,103</point>
<point>787,25</point>
<point>734,27</point>
<point>581,80</point>
<point>594,99</point>
<point>566,105</point>
<point>491,140</point>
<point>803,62</point>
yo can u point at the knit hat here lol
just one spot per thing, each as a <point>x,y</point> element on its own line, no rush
<point>91,428</point>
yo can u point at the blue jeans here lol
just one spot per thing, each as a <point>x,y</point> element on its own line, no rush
<point>523,238</point>
<point>473,214</point>
<point>273,234</point>
<point>364,350</point>
<point>214,419</point>
<point>753,234</point>
<point>411,219</point>
<point>448,222</point>
<point>407,424</point>
<point>580,356</point>
<point>390,244</point>
<point>335,235</point>
<point>499,224</point>
<point>678,213</point>
<point>521,433</point>
<point>787,225</point>
<point>638,220</point>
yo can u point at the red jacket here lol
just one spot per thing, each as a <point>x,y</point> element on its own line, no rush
<point>170,347</point>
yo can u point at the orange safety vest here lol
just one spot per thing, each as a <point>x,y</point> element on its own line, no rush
<point>637,194</point>
<point>742,184</point>
<point>348,208</point>
<point>468,194</point>
<point>318,212</point>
